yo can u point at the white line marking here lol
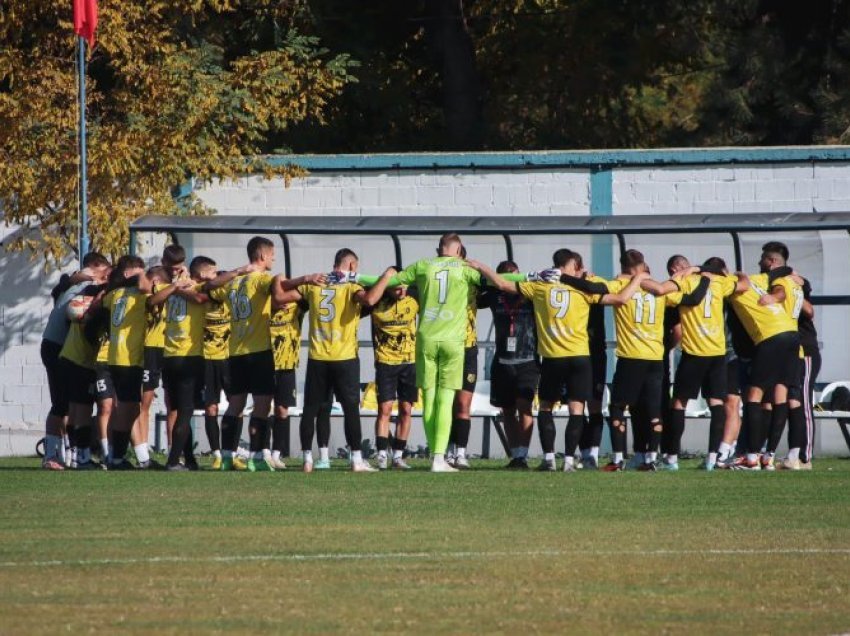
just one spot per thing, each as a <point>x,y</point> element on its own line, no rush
<point>374,556</point>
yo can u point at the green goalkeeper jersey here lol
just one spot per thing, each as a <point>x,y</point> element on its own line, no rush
<point>443,285</point>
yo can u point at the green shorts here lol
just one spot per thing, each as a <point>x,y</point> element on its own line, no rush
<point>439,364</point>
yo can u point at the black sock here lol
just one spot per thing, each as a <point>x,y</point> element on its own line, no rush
<point>715,427</point>
<point>777,426</point>
<point>83,439</point>
<point>753,416</point>
<point>461,427</point>
<point>617,425</point>
<point>596,422</point>
<point>72,435</point>
<point>280,430</point>
<point>323,426</point>
<point>179,434</point>
<point>655,436</point>
<point>399,444</point>
<point>575,424</point>
<point>120,444</point>
<point>672,435</point>
<point>351,421</point>
<point>189,449</point>
<point>796,428</point>
<point>230,432</point>
<point>257,429</point>
<point>382,443</point>
<point>546,430</point>
<point>213,432</point>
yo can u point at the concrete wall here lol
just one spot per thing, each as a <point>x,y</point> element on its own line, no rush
<point>558,184</point>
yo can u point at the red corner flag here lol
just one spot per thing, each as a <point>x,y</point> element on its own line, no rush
<point>85,19</point>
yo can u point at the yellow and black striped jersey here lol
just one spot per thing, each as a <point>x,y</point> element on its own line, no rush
<point>217,331</point>
<point>155,322</point>
<point>471,318</point>
<point>394,330</point>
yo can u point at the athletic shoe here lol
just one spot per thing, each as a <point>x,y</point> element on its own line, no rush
<point>151,464</point>
<point>647,467</point>
<point>323,464</point>
<point>725,464</point>
<point>363,467</point>
<point>518,463</point>
<point>122,465</point>
<point>239,464</point>
<point>307,467</point>
<point>745,465</point>
<point>89,465</point>
<point>461,463</point>
<point>442,467</point>
<point>192,464</point>
<point>708,466</point>
<point>790,464</point>
<point>233,463</point>
<point>805,465</point>
<point>216,463</point>
<point>767,462</point>
<point>400,464</point>
<point>569,468</point>
<point>547,466</point>
<point>52,464</point>
<point>669,466</point>
<point>383,462</point>
<point>259,466</point>
<point>613,467</point>
<point>177,468</point>
<point>591,463</point>
<point>277,464</point>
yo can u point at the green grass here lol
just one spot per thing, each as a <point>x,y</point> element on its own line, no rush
<point>485,551</point>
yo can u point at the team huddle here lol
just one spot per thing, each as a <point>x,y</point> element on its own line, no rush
<point>748,346</point>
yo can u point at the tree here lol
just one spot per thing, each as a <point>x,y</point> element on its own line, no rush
<point>176,89</point>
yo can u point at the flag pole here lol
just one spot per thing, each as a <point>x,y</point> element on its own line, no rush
<point>84,212</point>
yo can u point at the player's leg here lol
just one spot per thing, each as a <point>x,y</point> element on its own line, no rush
<point>55,423</point>
<point>408,394</point>
<point>580,389</point>
<point>503,397</point>
<point>426,379</point>
<point>323,431</point>
<point>731,408</point>
<point>552,379</point>
<point>450,357</point>
<point>179,381</point>
<point>80,402</point>
<point>625,390</point>
<point>128,395</point>
<point>316,389</point>
<point>284,399</point>
<point>386,385</point>
<point>345,376</point>
<point>262,389</point>
<point>591,435</point>
<point>808,386</point>
<point>104,395</point>
<point>461,424</point>
<point>231,421</point>
<point>650,406</point>
<point>686,387</point>
<point>214,383</point>
<point>715,391</point>
<point>151,380</point>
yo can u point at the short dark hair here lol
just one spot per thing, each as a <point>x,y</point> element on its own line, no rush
<point>673,261</point>
<point>506,266</point>
<point>157,270</point>
<point>462,250</point>
<point>173,254</point>
<point>95,259</point>
<point>256,247</point>
<point>715,264</point>
<point>776,247</point>
<point>342,254</point>
<point>198,262</point>
<point>563,256</point>
<point>129,262</point>
<point>630,259</point>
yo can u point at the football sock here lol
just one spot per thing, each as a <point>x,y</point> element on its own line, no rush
<point>596,422</point>
<point>398,454</point>
<point>352,425</point>
<point>617,426</point>
<point>724,451</point>
<point>324,454</point>
<point>794,454</point>
<point>618,457</point>
<point>523,452</point>
<point>569,460</point>
<point>280,434</point>
<point>323,425</point>
<point>142,454</point>
<point>179,436</point>
<point>546,430</point>
<point>753,417</point>
<point>213,433</point>
<point>778,418</point>
<point>677,429</point>
<point>382,444</point>
<point>229,435</point>
<point>429,410</point>
<point>257,433</point>
<point>120,443</point>
<point>104,449</point>
<point>715,427</point>
<point>460,432</point>
<point>796,427</point>
<point>443,419</point>
<point>460,452</point>
<point>356,457</point>
<point>672,458</point>
<point>308,457</point>
<point>575,423</point>
<point>712,459</point>
<point>276,455</point>
<point>549,457</point>
<point>651,457</point>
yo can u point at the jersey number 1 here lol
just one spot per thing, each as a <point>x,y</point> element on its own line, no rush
<point>442,285</point>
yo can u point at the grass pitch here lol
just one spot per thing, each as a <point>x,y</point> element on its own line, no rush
<point>484,551</point>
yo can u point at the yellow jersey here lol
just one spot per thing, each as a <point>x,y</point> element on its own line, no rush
<point>127,313</point>
<point>285,329</point>
<point>560,313</point>
<point>217,331</point>
<point>471,318</point>
<point>793,303</point>
<point>77,348</point>
<point>639,323</point>
<point>103,350</point>
<point>155,334</point>
<point>334,316</point>
<point>761,321</point>
<point>248,299</point>
<point>704,325</point>
<point>394,330</point>
<point>184,326</point>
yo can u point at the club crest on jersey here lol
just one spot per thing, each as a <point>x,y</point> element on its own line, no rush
<point>435,313</point>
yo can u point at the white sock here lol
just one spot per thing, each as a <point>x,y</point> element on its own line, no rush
<point>217,454</point>
<point>308,457</point>
<point>323,454</point>
<point>549,457</point>
<point>398,454</point>
<point>276,455</point>
<point>752,457</point>
<point>724,451</point>
<point>651,457</point>
<point>672,459</point>
<point>104,448</point>
<point>356,457</point>
<point>382,454</point>
<point>594,452</point>
<point>439,458</point>
<point>51,446</point>
<point>618,457</point>
<point>461,452</point>
<point>793,454</point>
<point>568,461</point>
<point>142,454</point>
<point>523,452</point>
<point>712,459</point>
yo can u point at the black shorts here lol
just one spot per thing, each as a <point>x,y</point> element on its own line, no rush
<point>341,376</point>
<point>777,361</point>
<point>470,368</point>
<point>127,382</point>
<point>396,381</point>
<point>216,380</point>
<point>56,380</point>
<point>154,357</point>
<point>183,378</point>
<point>566,378</point>
<point>599,370</point>
<point>252,373</point>
<point>509,382</point>
<point>104,389</point>
<point>705,373</point>
<point>285,393</point>
<point>80,383</point>
<point>733,377</point>
<point>638,383</point>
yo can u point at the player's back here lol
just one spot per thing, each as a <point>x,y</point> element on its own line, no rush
<point>249,300</point>
<point>639,323</point>
<point>334,317</point>
<point>704,325</point>
<point>761,321</point>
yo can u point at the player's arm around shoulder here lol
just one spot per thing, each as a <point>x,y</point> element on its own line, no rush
<point>288,290</point>
<point>370,298</point>
<point>624,295</point>
<point>493,278</point>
